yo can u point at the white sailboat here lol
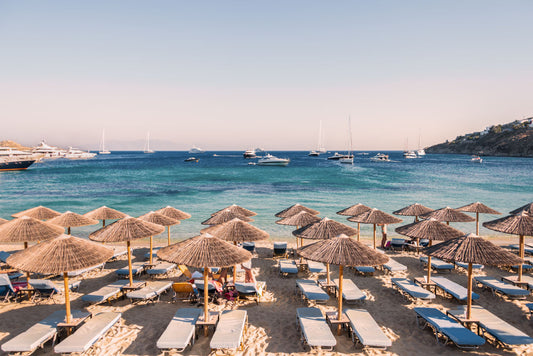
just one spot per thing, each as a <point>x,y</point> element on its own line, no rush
<point>348,159</point>
<point>420,152</point>
<point>319,148</point>
<point>147,144</point>
<point>103,150</point>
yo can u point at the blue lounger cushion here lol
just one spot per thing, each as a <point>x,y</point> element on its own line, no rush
<point>412,289</point>
<point>437,264</point>
<point>474,265</point>
<point>525,279</point>
<point>316,267</point>
<point>154,253</point>
<point>288,267</point>
<point>161,268</point>
<point>455,290</point>
<point>85,270</point>
<point>4,255</point>
<point>150,291</point>
<point>394,266</point>
<point>365,269</point>
<point>315,328</point>
<point>136,268</point>
<point>311,291</point>
<point>500,287</point>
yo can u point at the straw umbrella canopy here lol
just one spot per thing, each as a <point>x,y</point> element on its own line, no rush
<point>448,215</point>
<point>478,208</point>
<point>236,231</point>
<point>528,208</point>
<point>158,219</point>
<point>39,212</point>
<point>104,213</point>
<point>204,251</point>
<point>225,216</point>
<point>353,211</point>
<point>413,210</point>
<point>302,218</point>
<point>342,251</point>
<point>295,209</point>
<point>237,209</point>
<point>472,249</point>
<point>126,229</point>
<point>60,255</point>
<point>173,213</point>
<point>518,224</point>
<point>69,219</point>
<point>430,229</point>
<point>375,217</point>
<point>3,221</point>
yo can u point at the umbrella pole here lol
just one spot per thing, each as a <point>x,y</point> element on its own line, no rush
<point>469,293</point>
<point>206,299</point>
<point>67,298</point>
<point>358,231</point>
<point>103,222</point>
<point>520,270</point>
<point>374,236</point>
<point>417,245</point>
<point>68,230</point>
<point>235,268</point>
<point>168,233</point>
<point>129,262</point>
<point>327,273</point>
<point>429,263</point>
<point>27,273</point>
<point>297,227</point>
<point>151,247</point>
<point>416,218</point>
<point>339,310</point>
<point>477,224</point>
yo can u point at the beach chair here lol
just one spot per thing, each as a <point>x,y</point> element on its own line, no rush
<point>365,331</point>
<point>106,293</point>
<point>185,271</point>
<point>150,292</point>
<point>40,333</point>
<point>529,308</point>
<point>280,249</point>
<point>249,246</point>
<point>4,255</point>
<point>393,266</point>
<point>315,331</point>
<point>527,248</point>
<point>251,289</point>
<point>475,266</point>
<point>287,267</point>
<point>397,244</point>
<point>159,269</point>
<point>500,288</point>
<point>184,291</point>
<point>118,252</point>
<point>451,288</point>
<point>525,267</point>
<point>446,329</point>
<point>88,334</point>
<point>493,328</point>
<point>316,267</point>
<point>350,292</point>
<point>411,290</point>
<point>365,270</point>
<point>86,270</point>
<point>229,334</point>
<point>310,290</point>
<point>154,253</point>
<point>7,291</point>
<point>45,289</point>
<point>527,280</point>
<point>437,265</point>
<point>136,269</point>
<point>180,332</point>
<point>199,283</point>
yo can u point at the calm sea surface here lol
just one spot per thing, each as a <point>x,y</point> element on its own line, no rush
<point>136,183</point>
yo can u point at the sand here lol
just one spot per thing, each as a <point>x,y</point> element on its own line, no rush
<point>272,323</point>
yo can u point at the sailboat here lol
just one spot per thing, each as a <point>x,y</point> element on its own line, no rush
<point>408,154</point>
<point>103,150</point>
<point>147,144</point>
<point>319,149</point>
<point>420,152</point>
<point>348,159</point>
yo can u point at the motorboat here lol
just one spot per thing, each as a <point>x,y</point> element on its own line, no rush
<point>409,154</point>
<point>314,154</point>
<point>249,154</point>
<point>380,157</point>
<point>476,159</point>
<point>48,151</point>
<point>270,160</point>
<point>421,152</point>
<point>191,159</point>
<point>15,163</point>
<point>346,160</point>
<point>74,153</point>
<point>336,156</point>
<point>195,149</point>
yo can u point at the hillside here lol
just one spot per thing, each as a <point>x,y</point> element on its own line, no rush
<point>512,139</point>
<point>13,144</point>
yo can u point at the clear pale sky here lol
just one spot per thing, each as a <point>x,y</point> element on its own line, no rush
<point>241,74</point>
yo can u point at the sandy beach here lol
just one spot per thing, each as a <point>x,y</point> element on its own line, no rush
<point>272,323</point>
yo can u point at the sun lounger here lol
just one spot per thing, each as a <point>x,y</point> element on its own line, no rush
<point>394,266</point>
<point>45,289</point>
<point>311,291</point>
<point>37,335</point>
<point>451,288</point>
<point>180,332</point>
<point>502,333</point>
<point>397,244</point>
<point>249,246</point>
<point>4,255</point>
<point>475,266</point>
<point>527,248</point>
<point>280,249</point>
<point>500,288</point>
<point>199,283</point>
<point>184,291</point>
<point>136,268</point>
<point>529,308</point>
<point>525,267</point>
<point>88,333</point>
<point>410,289</point>
<point>117,252</point>
<point>230,330</point>
<point>527,280</point>
<point>251,288</point>
<point>7,291</point>
<point>150,292</point>
<point>287,267</point>
<point>365,330</point>
<point>316,267</point>
<point>154,253</point>
<point>446,329</point>
<point>85,270</point>
<point>438,265</point>
<point>161,268</point>
<point>350,292</point>
<point>314,328</point>
<point>365,270</point>
<point>107,292</point>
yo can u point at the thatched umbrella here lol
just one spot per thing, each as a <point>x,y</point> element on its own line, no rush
<point>472,249</point>
<point>204,251</point>
<point>69,219</point>
<point>295,209</point>
<point>236,231</point>
<point>104,213</point>
<point>60,255</point>
<point>478,208</point>
<point>158,219</point>
<point>127,229</point>
<point>342,251</point>
<point>375,217</point>
<point>324,229</point>
<point>302,218</point>
<point>39,212</point>
<point>528,208</point>
<point>237,209</point>
<point>518,224</point>
<point>3,221</point>
<point>413,210</point>
<point>430,229</point>
<point>225,216</point>
<point>173,213</point>
<point>448,215</point>
<point>353,211</point>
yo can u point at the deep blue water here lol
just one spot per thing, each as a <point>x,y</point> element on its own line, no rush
<point>136,183</point>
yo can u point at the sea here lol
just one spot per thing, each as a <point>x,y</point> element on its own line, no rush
<point>136,183</point>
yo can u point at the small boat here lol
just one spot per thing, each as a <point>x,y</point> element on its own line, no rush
<point>476,159</point>
<point>380,157</point>
<point>103,150</point>
<point>420,152</point>
<point>15,163</point>
<point>348,159</point>
<point>270,160</point>
<point>74,153</point>
<point>147,144</point>
<point>192,159</point>
<point>409,154</point>
<point>195,149</point>
<point>314,154</point>
<point>249,154</point>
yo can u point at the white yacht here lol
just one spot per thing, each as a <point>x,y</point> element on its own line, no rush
<point>270,160</point>
<point>420,152</point>
<point>195,149</point>
<point>103,150</point>
<point>74,153</point>
<point>380,157</point>
<point>476,159</point>
<point>409,154</point>
<point>48,151</point>
<point>337,156</point>
<point>249,154</point>
<point>314,153</point>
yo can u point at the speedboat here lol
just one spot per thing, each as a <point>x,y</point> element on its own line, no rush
<point>314,154</point>
<point>270,160</point>
<point>337,156</point>
<point>409,154</point>
<point>191,159</point>
<point>476,159</point>
<point>195,149</point>
<point>249,154</point>
<point>380,157</point>
<point>73,153</point>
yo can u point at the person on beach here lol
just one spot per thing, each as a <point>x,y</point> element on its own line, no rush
<point>384,243</point>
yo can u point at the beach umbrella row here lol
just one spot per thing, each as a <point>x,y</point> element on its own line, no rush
<point>303,218</point>
<point>158,219</point>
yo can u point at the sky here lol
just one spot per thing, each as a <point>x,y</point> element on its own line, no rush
<point>232,75</point>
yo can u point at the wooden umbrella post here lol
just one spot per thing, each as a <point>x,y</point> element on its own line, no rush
<point>168,234</point>
<point>416,218</point>
<point>68,230</point>
<point>206,300</point>
<point>297,227</point>
<point>27,273</point>
<point>477,223</point>
<point>374,236</point>
<point>358,231</point>
<point>67,298</point>
<point>151,248</point>
<point>328,281</point>
<point>520,266</point>
<point>339,310</point>
<point>103,222</point>
<point>129,262</point>
<point>429,263</point>
<point>235,268</point>
<point>469,293</point>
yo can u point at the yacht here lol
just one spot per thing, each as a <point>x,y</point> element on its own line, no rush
<point>249,154</point>
<point>191,159</point>
<point>337,156</point>
<point>147,144</point>
<point>8,163</point>
<point>476,159</point>
<point>195,149</point>
<point>74,153</point>
<point>420,152</point>
<point>409,154</point>
<point>314,153</point>
<point>103,150</point>
<point>270,160</point>
<point>48,151</point>
<point>380,157</point>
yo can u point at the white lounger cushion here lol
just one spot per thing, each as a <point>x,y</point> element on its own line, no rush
<point>180,330</point>
<point>136,268</point>
<point>162,268</point>
<point>350,291</point>
<point>316,267</point>
<point>367,330</point>
<point>456,290</point>
<point>84,270</point>
<point>105,292</point>
<point>151,290</point>
<point>394,266</point>
<point>414,290</point>
<point>311,290</point>
<point>229,331</point>
<point>88,333</point>
<point>315,328</point>
<point>288,266</point>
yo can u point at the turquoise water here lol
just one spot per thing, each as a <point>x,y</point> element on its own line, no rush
<point>136,183</point>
